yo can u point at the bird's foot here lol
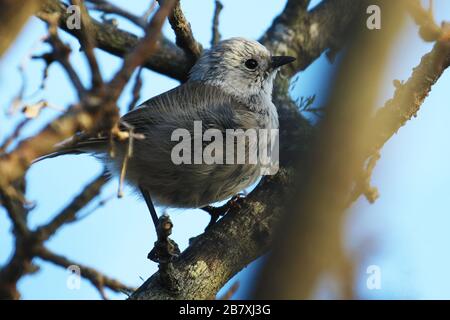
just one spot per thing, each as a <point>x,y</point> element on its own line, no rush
<point>165,252</point>
<point>217,212</point>
<point>165,249</point>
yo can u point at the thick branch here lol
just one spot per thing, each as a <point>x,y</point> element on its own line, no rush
<point>228,246</point>
<point>307,35</point>
<point>168,59</point>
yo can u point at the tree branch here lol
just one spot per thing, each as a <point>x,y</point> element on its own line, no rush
<point>85,116</point>
<point>409,96</point>
<point>215,24</point>
<point>30,244</point>
<point>168,59</point>
<point>307,35</point>
<point>69,213</point>
<point>237,239</point>
<point>61,54</point>
<point>183,32</point>
<point>16,213</point>
<point>109,8</point>
<point>98,280</point>
<point>88,45</point>
<point>142,52</point>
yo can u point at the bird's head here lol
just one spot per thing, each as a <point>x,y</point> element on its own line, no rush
<point>239,66</point>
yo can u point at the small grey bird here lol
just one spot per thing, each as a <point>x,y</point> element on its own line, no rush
<point>230,87</point>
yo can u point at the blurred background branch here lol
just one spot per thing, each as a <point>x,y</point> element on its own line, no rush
<point>14,14</point>
<point>31,243</point>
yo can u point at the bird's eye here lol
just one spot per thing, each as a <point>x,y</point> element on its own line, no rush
<point>251,64</point>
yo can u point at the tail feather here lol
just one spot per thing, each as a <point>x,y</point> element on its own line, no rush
<point>79,147</point>
<point>57,154</point>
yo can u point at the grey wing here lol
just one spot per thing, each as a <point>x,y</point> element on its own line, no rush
<point>192,101</point>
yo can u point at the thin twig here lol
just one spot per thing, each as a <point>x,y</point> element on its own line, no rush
<point>142,52</point>
<point>101,203</point>
<point>88,45</point>
<point>123,171</point>
<point>136,92</point>
<point>98,280</point>
<point>61,53</point>
<point>215,25</point>
<point>69,213</point>
<point>429,30</point>
<point>17,130</point>
<point>183,32</point>
<point>109,8</point>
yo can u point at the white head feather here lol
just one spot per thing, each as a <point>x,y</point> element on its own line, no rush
<point>240,66</point>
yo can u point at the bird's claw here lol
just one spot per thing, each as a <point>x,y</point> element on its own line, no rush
<point>165,250</point>
<point>217,212</point>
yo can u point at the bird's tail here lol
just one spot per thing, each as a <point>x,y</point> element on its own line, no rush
<point>75,146</point>
<point>57,154</point>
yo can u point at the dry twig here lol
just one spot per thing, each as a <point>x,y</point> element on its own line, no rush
<point>215,24</point>
<point>183,32</point>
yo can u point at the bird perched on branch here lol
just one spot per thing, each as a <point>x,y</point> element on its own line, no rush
<point>229,89</point>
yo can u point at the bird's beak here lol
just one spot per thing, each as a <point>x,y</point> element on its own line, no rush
<point>278,61</point>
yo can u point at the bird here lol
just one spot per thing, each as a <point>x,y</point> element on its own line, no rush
<point>228,88</point>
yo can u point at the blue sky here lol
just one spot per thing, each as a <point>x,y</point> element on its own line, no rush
<point>404,232</point>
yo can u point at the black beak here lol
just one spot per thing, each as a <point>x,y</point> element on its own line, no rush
<point>278,61</point>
